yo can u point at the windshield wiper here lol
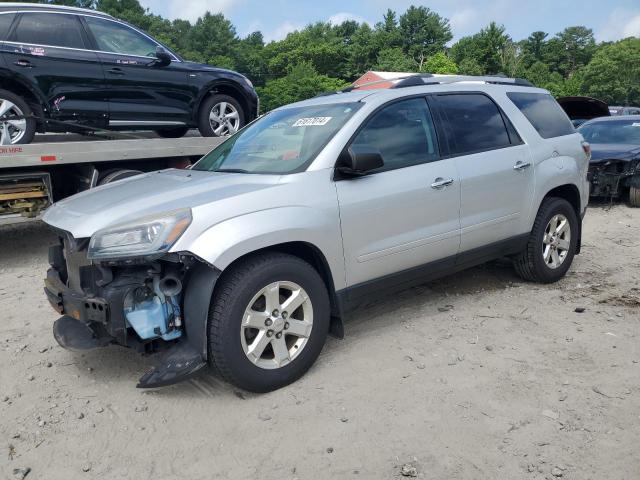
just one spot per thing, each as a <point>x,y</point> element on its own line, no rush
<point>232,170</point>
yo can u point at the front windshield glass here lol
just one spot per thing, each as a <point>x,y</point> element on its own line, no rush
<point>281,142</point>
<point>612,131</point>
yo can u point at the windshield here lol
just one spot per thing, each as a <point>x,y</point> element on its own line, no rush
<point>612,131</point>
<point>283,141</point>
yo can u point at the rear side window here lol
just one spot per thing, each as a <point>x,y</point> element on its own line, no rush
<point>544,113</point>
<point>50,29</point>
<point>473,123</point>
<point>5,23</point>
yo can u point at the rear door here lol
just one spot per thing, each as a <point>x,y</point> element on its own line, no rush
<point>48,51</point>
<point>494,164</point>
<point>140,92</point>
<point>405,214</point>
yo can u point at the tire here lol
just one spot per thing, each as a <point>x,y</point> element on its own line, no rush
<point>116,175</point>
<point>531,264</point>
<point>28,127</point>
<point>172,132</point>
<point>229,333</point>
<point>634,197</point>
<point>204,122</point>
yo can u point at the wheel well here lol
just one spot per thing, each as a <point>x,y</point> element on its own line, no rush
<point>568,192</point>
<point>20,89</point>
<point>227,89</point>
<point>314,257</point>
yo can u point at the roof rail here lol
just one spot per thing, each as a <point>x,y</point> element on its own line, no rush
<point>49,6</point>
<point>437,79</point>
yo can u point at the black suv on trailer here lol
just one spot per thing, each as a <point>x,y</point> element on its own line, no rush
<point>61,65</point>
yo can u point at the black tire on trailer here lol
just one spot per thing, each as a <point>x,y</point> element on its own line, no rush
<point>115,175</point>
<point>552,243</point>
<point>172,132</point>
<point>253,341</point>
<point>210,108</point>
<point>17,106</point>
<point>634,196</point>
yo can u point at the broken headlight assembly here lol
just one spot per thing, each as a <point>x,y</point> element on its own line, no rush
<point>145,236</point>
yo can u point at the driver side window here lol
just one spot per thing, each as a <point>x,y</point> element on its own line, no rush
<point>118,38</point>
<point>403,132</point>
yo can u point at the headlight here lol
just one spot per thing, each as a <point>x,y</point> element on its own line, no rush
<point>145,236</point>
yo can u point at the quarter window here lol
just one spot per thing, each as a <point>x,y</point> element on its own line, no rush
<point>6,19</point>
<point>544,113</point>
<point>404,134</point>
<point>118,38</point>
<point>50,29</point>
<point>473,123</point>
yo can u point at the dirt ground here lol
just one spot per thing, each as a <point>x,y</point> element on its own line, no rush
<point>477,376</point>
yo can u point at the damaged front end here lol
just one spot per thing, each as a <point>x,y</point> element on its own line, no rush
<point>156,304</point>
<point>612,178</point>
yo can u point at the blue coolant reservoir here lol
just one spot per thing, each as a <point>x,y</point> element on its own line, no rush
<point>150,320</point>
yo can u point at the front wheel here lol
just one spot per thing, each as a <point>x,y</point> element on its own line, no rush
<point>268,321</point>
<point>220,115</point>
<point>552,243</point>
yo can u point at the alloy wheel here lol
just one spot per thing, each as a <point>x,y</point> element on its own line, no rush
<point>556,241</point>
<point>276,325</point>
<point>224,119</point>
<point>13,125</point>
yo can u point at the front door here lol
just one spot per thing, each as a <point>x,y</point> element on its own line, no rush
<point>405,214</point>
<point>495,167</point>
<point>49,51</point>
<point>140,91</point>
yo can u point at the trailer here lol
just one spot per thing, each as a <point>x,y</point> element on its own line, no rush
<point>34,176</point>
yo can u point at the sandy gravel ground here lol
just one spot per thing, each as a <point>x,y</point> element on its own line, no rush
<point>477,376</point>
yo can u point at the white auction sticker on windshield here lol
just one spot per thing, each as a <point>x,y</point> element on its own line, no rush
<point>311,121</point>
<point>635,124</point>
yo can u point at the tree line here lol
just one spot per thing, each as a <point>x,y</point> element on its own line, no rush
<point>324,56</point>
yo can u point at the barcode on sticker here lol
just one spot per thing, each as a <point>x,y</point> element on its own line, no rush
<point>311,121</point>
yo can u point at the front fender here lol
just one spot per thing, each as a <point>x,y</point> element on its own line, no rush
<point>227,241</point>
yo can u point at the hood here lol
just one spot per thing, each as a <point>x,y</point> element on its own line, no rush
<point>153,193</point>
<point>203,67</point>
<point>601,152</point>
<point>583,108</point>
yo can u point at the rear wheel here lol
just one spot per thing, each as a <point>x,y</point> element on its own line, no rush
<point>220,115</point>
<point>14,127</point>
<point>552,243</point>
<point>116,175</point>
<point>172,132</point>
<point>634,197</point>
<point>268,321</point>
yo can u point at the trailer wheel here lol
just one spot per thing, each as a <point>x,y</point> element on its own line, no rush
<point>634,197</point>
<point>116,175</point>
<point>15,131</point>
<point>172,132</point>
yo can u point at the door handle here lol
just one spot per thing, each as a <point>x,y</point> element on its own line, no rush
<point>115,71</point>
<point>23,63</point>
<point>521,166</point>
<point>439,183</point>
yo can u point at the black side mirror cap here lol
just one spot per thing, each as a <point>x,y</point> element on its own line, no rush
<point>359,160</point>
<point>163,58</point>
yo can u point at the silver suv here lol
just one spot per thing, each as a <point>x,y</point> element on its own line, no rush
<point>248,260</point>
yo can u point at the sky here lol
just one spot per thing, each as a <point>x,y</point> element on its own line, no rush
<point>609,19</point>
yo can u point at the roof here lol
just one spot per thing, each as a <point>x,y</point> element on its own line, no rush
<point>21,6</point>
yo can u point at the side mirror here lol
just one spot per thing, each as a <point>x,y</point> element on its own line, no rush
<point>162,57</point>
<point>359,160</point>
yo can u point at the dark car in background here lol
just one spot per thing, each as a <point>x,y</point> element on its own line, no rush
<point>65,67</point>
<point>615,156</point>
<point>618,110</point>
<point>582,109</point>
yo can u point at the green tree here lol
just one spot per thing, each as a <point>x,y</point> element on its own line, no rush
<point>302,81</point>
<point>470,66</point>
<point>440,63</point>
<point>424,33</point>
<point>487,48</point>
<point>394,60</point>
<point>613,75</point>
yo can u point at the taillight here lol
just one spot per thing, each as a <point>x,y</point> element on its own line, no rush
<point>587,149</point>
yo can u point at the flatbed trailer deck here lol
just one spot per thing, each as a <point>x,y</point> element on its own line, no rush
<point>34,176</point>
